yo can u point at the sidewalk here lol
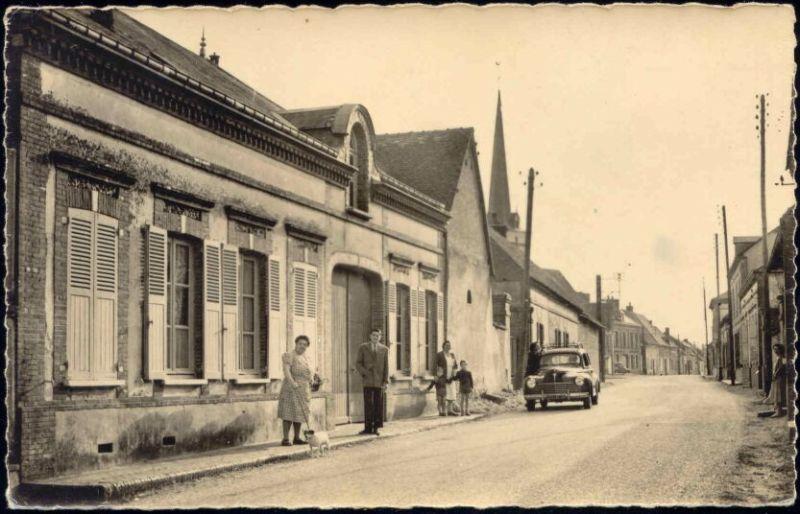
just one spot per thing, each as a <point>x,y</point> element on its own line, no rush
<point>123,481</point>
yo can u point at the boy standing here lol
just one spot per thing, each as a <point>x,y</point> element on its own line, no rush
<point>464,378</point>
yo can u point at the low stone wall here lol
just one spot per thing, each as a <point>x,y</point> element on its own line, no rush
<point>91,438</point>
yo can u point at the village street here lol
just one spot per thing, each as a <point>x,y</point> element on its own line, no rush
<point>651,440</point>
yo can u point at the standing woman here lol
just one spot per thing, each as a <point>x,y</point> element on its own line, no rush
<point>295,396</point>
<point>447,361</point>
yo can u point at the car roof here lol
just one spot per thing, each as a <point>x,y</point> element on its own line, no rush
<point>563,349</point>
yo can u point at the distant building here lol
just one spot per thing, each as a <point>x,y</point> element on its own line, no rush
<point>443,164</point>
<point>623,337</point>
<point>558,318</point>
<point>719,309</point>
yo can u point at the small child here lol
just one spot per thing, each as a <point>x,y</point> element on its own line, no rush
<point>464,378</point>
<point>440,382</point>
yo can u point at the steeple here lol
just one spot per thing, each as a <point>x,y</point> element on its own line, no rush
<point>500,217</point>
<point>203,43</point>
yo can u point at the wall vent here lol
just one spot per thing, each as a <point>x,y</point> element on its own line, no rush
<point>105,448</point>
<point>168,440</point>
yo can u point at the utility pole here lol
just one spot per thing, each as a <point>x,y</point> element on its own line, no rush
<point>705,321</point>
<point>766,352</point>
<point>731,346</point>
<point>719,308</point>
<point>602,363</point>
<point>524,284</point>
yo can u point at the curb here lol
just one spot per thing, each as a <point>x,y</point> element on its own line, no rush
<point>118,491</point>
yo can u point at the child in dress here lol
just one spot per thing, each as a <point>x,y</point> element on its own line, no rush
<point>440,382</point>
<point>464,378</point>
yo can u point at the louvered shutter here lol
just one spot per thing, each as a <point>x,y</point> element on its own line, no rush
<point>80,265</point>
<point>230,310</point>
<point>275,343</point>
<point>421,335</point>
<point>304,308</point>
<point>391,313</point>
<point>155,349</point>
<point>312,289</point>
<point>440,321</point>
<point>104,340</point>
<point>212,312</point>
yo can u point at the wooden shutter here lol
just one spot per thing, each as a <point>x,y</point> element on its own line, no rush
<point>440,321</point>
<point>275,341</point>
<point>391,313</point>
<point>155,349</point>
<point>104,340</point>
<point>212,312</point>
<point>304,307</point>
<point>80,293</point>
<point>230,310</point>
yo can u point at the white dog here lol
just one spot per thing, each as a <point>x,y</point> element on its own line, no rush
<point>317,440</point>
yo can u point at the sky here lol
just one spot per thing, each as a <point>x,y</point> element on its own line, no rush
<point>640,119</point>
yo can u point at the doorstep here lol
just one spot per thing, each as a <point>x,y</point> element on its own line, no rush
<point>123,481</point>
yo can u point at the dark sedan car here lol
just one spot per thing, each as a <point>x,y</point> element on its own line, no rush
<point>565,375</point>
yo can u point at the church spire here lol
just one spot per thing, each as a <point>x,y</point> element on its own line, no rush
<point>203,43</point>
<point>499,204</point>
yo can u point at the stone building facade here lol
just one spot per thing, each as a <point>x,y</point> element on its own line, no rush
<point>173,231</point>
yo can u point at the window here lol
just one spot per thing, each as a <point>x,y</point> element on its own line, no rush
<point>566,338</point>
<point>469,296</point>
<point>358,189</point>
<point>92,253</point>
<point>403,328</point>
<point>540,333</point>
<point>251,312</point>
<point>181,305</point>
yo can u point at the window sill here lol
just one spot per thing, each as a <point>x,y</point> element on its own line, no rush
<point>252,380</point>
<point>402,378</point>
<point>94,383</point>
<point>424,377</point>
<point>358,213</point>
<point>183,381</point>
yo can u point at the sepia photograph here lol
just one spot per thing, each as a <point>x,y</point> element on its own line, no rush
<point>400,256</point>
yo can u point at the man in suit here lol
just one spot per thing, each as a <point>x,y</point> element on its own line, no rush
<point>372,362</point>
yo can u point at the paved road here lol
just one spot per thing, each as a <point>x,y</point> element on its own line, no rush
<point>651,440</point>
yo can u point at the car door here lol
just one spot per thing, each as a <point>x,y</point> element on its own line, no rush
<point>587,366</point>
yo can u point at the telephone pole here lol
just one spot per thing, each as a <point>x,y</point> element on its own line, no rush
<point>766,352</point>
<point>705,321</point>
<point>524,284</point>
<point>719,309</point>
<point>731,347</point>
<point>602,363</point>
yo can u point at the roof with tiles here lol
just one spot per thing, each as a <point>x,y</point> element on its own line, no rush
<point>430,160</point>
<point>509,263</point>
<point>140,37</point>
<point>652,334</point>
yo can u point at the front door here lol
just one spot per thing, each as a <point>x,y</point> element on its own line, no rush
<point>351,312</point>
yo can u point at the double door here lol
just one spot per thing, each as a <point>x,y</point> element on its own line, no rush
<point>352,317</point>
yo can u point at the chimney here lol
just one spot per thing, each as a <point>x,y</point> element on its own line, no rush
<point>629,308</point>
<point>666,331</point>
<point>104,17</point>
<point>214,59</point>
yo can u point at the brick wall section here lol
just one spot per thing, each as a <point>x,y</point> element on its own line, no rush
<point>39,425</point>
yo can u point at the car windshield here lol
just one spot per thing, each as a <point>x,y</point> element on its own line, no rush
<point>561,359</point>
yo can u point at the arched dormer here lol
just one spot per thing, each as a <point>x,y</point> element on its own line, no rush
<point>348,128</point>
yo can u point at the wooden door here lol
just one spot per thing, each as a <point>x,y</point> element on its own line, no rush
<point>339,347</point>
<point>359,319</point>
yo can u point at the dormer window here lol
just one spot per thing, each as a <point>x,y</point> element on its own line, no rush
<point>358,190</point>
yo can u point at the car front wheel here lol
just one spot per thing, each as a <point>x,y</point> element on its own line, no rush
<point>530,405</point>
<point>587,403</point>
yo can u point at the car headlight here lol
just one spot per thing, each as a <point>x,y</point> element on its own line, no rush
<point>530,382</point>
<point>579,381</point>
